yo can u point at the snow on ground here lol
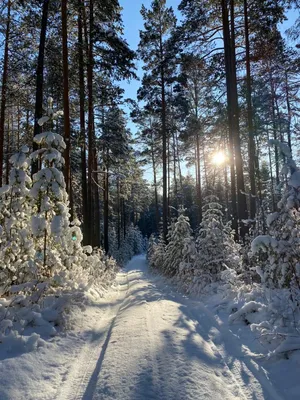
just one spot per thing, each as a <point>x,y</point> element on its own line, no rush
<point>144,340</point>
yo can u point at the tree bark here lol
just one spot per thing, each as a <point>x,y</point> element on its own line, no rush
<point>105,206</point>
<point>251,145</point>
<point>90,122</point>
<point>40,80</point>
<point>227,51</point>
<point>66,105</point>
<point>155,184</point>
<point>164,143</point>
<point>82,125</point>
<point>4,88</point>
<point>240,185</point>
<point>288,105</point>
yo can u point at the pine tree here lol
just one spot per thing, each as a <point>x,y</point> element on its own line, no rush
<point>154,51</point>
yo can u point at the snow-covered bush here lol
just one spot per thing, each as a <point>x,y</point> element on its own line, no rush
<point>156,252</point>
<point>178,250</point>
<point>16,244</point>
<point>272,308</point>
<point>43,266</point>
<point>278,253</point>
<point>215,245</point>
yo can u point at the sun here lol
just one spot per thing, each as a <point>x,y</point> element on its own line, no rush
<point>219,158</point>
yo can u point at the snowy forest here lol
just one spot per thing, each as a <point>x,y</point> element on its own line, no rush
<point>183,148</point>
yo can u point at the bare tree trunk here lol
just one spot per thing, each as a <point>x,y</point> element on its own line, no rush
<point>4,87</point>
<point>106,200</point>
<point>178,160</point>
<point>274,125</point>
<point>241,196</point>
<point>288,105</point>
<point>67,127</point>
<point>82,125</point>
<point>40,80</point>
<point>8,138</point>
<point>97,235</point>
<point>91,144</point>
<point>118,213</point>
<point>164,143</point>
<point>174,172</point>
<point>271,174</point>
<point>155,187</point>
<point>239,208</point>
<point>169,179</point>
<point>250,118</point>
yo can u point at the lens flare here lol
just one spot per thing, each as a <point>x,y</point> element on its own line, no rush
<point>219,158</point>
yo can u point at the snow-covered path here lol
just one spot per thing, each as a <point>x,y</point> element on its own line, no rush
<point>152,343</point>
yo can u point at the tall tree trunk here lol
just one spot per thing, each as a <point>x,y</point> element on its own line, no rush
<point>174,172</point>
<point>271,173</point>
<point>97,235</point>
<point>105,205</point>
<point>250,118</point>
<point>240,185</point>
<point>124,218</point>
<point>169,178</point>
<point>38,113</point>
<point>239,209</point>
<point>178,160</point>
<point>227,54</point>
<point>198,184</point>
<point>118,213</point>
<point>164,142</point>
<point>197,147</point>
<point>91,144</point>
<point>155,186</point>
<point>67,127</point>
<point>274,123</point>
<point>288,105</point>
<point>8,138</point>
<point>18,126</point>
<point>82,125</point>
<point>4,87</point>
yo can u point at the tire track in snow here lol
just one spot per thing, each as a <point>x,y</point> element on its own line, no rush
<point>82,379</point>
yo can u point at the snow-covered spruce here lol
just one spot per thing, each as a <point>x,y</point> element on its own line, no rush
<point>278,253</point>
<point>271,308</point>
<point>156,252</point>
<point>16,249</point>
<point>44,267</point>
<point>216,249</point>
<point>177,257</point>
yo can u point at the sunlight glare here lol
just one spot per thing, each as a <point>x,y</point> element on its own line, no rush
<point>219,158</point>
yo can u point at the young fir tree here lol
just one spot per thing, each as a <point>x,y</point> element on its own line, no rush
<point>59,252</point>
<point>17,251</point>
<point>156,252</point>
<point>179,247</point>
<point>278,253</point>
<point>215,244</point>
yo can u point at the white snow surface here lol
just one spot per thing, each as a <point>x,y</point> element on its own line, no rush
<point>143,340</point>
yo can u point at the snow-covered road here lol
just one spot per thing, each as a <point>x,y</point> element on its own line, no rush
<point>153,343</point>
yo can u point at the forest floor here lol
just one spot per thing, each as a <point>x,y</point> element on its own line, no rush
<point>145,341</point>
